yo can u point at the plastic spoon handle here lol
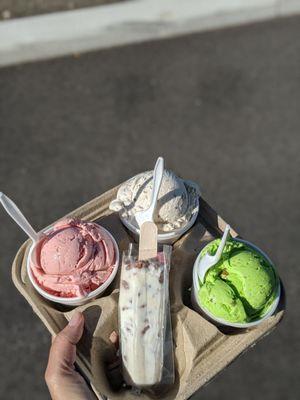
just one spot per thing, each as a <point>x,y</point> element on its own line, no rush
<point>157,179</point>
<point>17,215</point>
<point>223,242</point>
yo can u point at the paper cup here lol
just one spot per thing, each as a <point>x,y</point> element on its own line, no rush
<point>167,237</point>
<point>219,321</point>
<point>74,301</point>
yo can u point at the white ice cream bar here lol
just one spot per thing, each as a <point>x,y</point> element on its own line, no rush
<point>142,315</point>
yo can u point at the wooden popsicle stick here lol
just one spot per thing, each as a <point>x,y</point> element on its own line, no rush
<point>148,241</point>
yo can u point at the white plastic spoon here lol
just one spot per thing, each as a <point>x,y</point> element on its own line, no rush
<point>147,215</point>
<point>19,218</point>
<point>208,261</point>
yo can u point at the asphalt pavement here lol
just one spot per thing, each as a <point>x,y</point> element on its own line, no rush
<point>222,107</point>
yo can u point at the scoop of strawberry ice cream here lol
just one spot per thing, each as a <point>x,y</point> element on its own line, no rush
<point>73,259</point>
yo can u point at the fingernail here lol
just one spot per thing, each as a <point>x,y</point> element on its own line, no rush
<point>76,319</point>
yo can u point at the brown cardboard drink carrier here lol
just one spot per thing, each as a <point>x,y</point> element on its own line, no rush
<point>201,349</point>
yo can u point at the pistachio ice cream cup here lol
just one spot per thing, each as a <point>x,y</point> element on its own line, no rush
<point>241,290</point>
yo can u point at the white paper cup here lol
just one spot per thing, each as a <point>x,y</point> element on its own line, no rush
<point>74,301</point>
<point>167,237</point>
<point>219,321</point>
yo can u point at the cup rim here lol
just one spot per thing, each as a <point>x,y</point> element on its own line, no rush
<point>74,300</point>
<point>271,309</point>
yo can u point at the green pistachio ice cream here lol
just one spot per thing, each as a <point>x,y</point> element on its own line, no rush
<point>241,287</point>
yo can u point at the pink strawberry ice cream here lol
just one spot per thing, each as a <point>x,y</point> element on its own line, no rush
<point>75,258</point>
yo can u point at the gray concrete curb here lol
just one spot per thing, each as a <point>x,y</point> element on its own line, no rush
<point>62,33</point>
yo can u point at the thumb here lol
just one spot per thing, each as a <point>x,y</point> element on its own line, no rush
<point>63,350</point>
